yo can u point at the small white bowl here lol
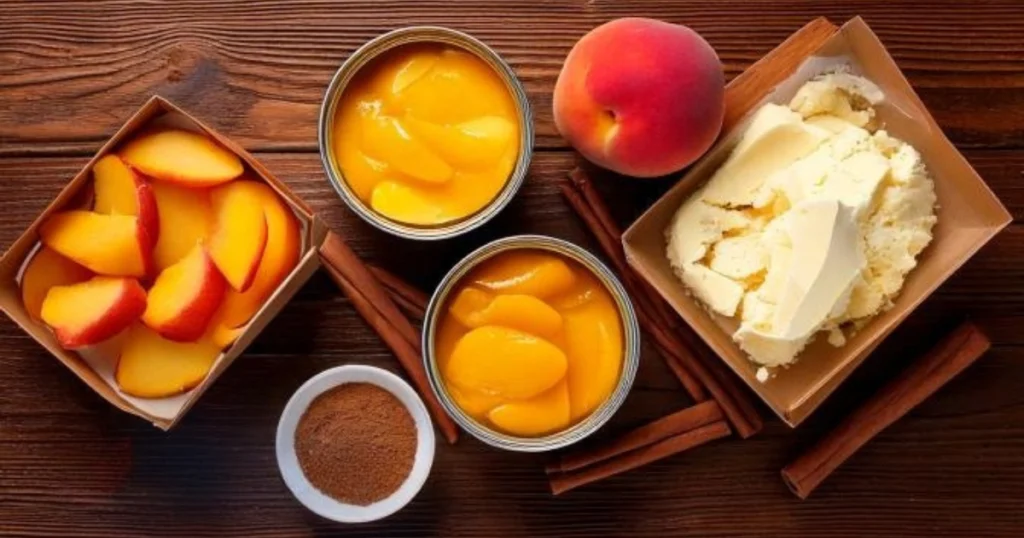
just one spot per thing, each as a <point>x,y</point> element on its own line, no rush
<point>288,461</point>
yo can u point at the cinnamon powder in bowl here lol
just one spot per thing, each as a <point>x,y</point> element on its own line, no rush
<point>355,444</point>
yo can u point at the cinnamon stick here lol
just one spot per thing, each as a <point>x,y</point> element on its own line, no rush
<point>686,378</point>
<point>410,299</point>
<point>563,482</point>
<point>579,178</point>
<point>676,423</point>
<point>336,253</point>
<point>374,305</point>
<point>691,371</point>
<point>928,374</point>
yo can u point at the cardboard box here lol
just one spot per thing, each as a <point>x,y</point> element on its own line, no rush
<point>969,215</point>
<point>95,365</point>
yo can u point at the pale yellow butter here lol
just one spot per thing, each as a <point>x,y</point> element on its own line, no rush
<point>812,223</point>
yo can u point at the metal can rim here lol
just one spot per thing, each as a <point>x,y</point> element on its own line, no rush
<point>424,34</point>
<point>631,344</point>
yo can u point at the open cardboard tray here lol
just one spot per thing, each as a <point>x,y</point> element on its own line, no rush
<point>969,214</point>
<point>95,365</point>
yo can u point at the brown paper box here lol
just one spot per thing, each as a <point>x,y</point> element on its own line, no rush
<point>95,366</point>
<point>969,215</point>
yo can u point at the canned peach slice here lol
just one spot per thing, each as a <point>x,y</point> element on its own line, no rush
<point>540,415</point>
<point>505,363</point>
<point>530,273</point>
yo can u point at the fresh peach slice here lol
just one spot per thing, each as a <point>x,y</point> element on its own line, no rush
<point>593,338</point>
<point>184,297</point>
<point>505,363</point>
<point>188,216</point>
<point>89,312</point>
<point>120,191</point>
<point>151,366</point>
<point>532,273</point>
<point>45,270</point>
<point>239,234</point>
<point>280,256</point>
<point>184,157</point>
<point>540,415</point>
<point>113,245</point>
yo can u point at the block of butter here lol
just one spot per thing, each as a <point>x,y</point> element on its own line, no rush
<point>810,225</point>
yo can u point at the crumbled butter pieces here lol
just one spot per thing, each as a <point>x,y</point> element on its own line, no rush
<point>812,223</point>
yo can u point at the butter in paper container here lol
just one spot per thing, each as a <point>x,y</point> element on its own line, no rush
<point>95,365</point>
<point>969,215</point>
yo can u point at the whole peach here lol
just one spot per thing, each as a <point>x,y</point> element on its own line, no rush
<point>640,96</point>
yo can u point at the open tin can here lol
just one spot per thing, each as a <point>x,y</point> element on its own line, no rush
<point>630,343</point>
<point>375,48</point>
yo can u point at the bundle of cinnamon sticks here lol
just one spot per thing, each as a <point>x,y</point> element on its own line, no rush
<point>701,375</point>
<point>373,294</point>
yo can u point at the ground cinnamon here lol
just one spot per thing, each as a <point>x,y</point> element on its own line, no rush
<point>942,363</point>
<point>356,443</point>
<point>374,304</point>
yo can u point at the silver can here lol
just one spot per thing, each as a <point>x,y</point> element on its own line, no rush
<point>630,342</point>
<point>373,49</point>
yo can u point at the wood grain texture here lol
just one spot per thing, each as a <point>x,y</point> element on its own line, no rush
<point>70,72</point>
<point>70,464</point>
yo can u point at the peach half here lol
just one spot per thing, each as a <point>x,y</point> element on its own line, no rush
<point>121,191</point>
<point>185,297</point>
<point>640,97</point>
<point>90,312</point>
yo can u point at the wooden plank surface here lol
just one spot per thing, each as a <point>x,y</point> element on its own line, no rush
<point>70,464</point>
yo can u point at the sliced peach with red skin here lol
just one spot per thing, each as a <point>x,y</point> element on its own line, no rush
<point>239,234</point>
<point>151,366</point>
<point>45,270</point>
<point>184,297</point>
<point>184,157</point>
<point>121,191</point>
<point>188,216</point>
<point>90,312</point>
<point>112,245</point>
<point>280,257</point>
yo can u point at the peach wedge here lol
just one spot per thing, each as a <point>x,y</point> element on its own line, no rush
<point>120,191</point>
<point>90,312</point>
<point>280,256</point>
<point>185,211</point>
<point>184,157</point>
<point>151,366</point>
<point>113,245</point>
<point>46,270</point>
<point>184,297</point>
<point>239,234</point>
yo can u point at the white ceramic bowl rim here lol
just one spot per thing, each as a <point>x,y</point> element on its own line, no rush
<point>309,495</point>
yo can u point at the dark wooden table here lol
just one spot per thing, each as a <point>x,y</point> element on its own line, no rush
<point>71,72</point>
